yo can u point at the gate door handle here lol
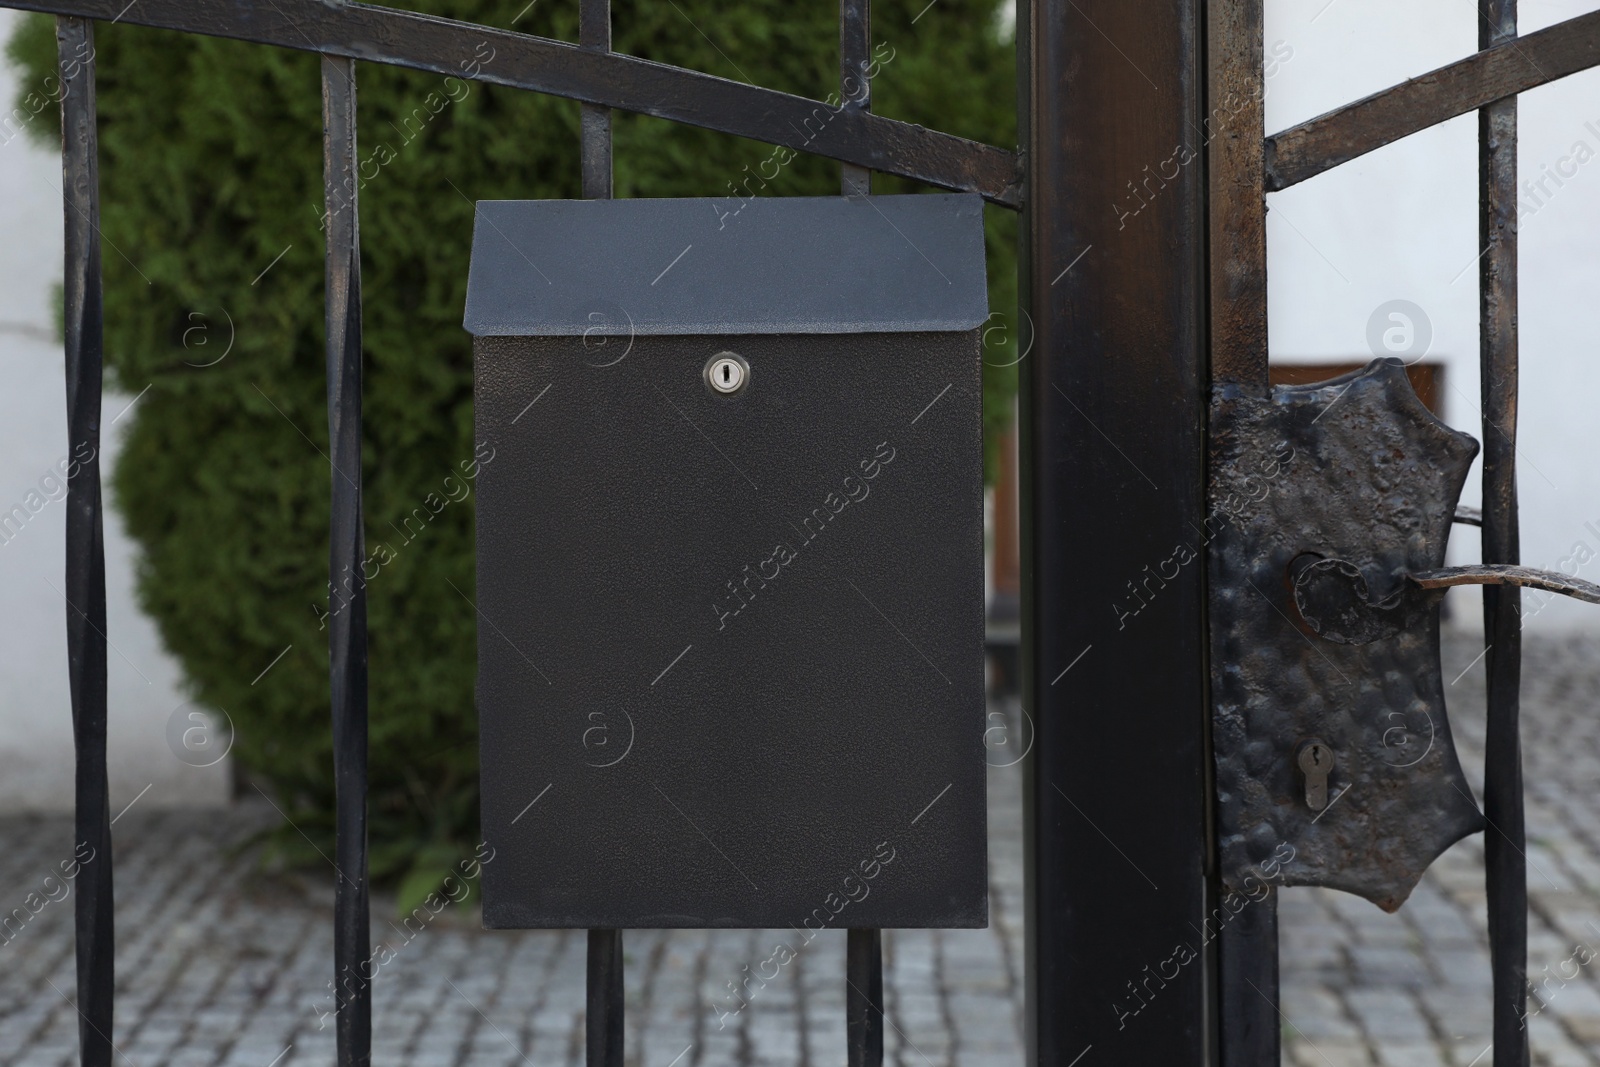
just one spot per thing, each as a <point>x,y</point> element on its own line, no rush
<point>1335,602</point>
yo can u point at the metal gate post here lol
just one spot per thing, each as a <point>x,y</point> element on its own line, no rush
<point>1112,420</point>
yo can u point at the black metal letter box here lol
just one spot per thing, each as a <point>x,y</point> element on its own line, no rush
<point>730,561</point>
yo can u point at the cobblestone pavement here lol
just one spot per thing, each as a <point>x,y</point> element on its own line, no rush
<point>219,964</point>
<point>1412,989</point>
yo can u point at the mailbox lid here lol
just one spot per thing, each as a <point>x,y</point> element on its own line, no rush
<point>794,265</point>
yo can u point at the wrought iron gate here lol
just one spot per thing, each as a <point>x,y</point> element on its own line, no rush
<point>1124,315</point>
<point>1146,172</point>
<point>1240,175</point>
<point>601,80</point>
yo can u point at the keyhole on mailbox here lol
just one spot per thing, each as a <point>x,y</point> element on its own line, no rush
<point>727,373</point>
<point>1316,763</point>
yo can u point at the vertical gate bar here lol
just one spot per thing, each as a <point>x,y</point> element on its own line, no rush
<point>347,633</point>
<point>1247,963</point>
<point>863,998</point>
<point>604,1018</point>
<point>1235,131</point>
<point>855,88</point>
<point>863,947</point>
<point>1505,865</point>
<point>1112,422</point>
<point>604,989</point>
<point>594,33</point>
<point>85,548</point>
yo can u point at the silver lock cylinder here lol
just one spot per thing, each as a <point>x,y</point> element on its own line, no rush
<point>727,373</point>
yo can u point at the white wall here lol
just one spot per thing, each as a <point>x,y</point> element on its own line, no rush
<point>1401,223</point>
<point>36,765</point>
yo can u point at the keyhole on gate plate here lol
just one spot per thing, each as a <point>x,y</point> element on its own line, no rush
<point>727,373</point>
<point>1316,762</point>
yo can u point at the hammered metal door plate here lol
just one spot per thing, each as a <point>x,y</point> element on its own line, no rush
<point>1357,470</point>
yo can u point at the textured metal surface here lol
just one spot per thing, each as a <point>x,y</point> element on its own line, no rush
<point>604,1004</point>
<point>1508,574</point>
<point>1246,928</point>
<point>347,630</point>
<point>603,999</point>
<point>1353,469</point>
<point>1247,946</point>
<point>1502,68</point>
<point>1237,217</point>
<point>855,86</point>
<point>501,57</point>
<point>594,33</point>
<point>1112,416</point>
<point>732,645</point>
<point>1504,848</point>
<point>863,998</point>
<point>864,953</point>
<point>85,548</point>
<point>783,265</point>
<point>1336,603</point>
